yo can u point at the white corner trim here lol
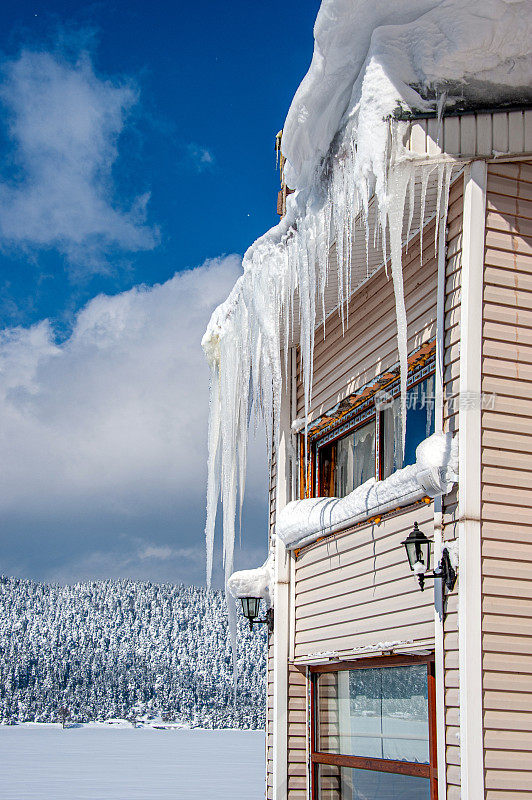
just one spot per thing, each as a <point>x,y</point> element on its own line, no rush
<point>469,486</point>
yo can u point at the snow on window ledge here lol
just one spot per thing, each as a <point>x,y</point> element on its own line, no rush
<point>435,472</point>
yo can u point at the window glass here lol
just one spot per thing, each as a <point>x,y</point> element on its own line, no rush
<point>349,462</point>
<point>419,425</point>
<point>376,713</point>
<point>346,783</point>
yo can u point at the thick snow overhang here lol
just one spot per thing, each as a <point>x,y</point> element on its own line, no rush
<point>372,59</point>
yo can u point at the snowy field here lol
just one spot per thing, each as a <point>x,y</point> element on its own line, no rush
<point>90,762</point>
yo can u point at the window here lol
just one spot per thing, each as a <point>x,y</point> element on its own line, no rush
<point>348,462</point>
<point>372,730</point>
<point>369,445</point>
<point>419,425</point>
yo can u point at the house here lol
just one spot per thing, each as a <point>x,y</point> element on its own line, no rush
<point>399,406</point>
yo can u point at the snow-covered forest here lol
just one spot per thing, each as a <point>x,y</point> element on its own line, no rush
<point>124,649</point>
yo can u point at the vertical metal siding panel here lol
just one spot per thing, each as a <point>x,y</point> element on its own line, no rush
<point>418,138</point>
<point>516,132</point>
<point>500,133</point>
<point>484,134</point>
<point>434,136</point>
<point>468,134</point>
<point>528,131</point>
<point>507,474</point>
<point>451,141</point>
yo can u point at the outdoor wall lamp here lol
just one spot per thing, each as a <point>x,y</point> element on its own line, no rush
<point>250,609</point>
<point>417,548</point>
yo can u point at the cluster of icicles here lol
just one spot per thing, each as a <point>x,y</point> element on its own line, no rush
<point>284,280</point>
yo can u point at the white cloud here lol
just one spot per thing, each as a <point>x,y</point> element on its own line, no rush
<point>106,432</point>
<point>201,157</point>
<point>162,553</point>
<point>64,123</point>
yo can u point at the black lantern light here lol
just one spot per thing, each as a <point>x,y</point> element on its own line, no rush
<point>250,609</point>
<point>417,548</point>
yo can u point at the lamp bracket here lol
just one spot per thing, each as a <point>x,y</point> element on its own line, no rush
<point>445,571</point>
<point>268,620</point>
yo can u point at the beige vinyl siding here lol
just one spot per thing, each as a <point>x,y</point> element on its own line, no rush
<point>297,733</point>
<point>355,589</point>
<point>507,482</point>
<point>453,269</point>
<point>272,493</point>
<point>269,720</point>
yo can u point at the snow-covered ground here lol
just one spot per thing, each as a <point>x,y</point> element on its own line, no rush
<point>114,762</point>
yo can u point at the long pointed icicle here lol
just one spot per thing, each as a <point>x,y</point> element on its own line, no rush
<point>398,183</point>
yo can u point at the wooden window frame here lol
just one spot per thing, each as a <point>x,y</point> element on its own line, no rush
<point>313,471</point>
<point>429,770</point>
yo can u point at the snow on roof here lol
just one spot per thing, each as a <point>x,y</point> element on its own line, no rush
<point>373,56</point>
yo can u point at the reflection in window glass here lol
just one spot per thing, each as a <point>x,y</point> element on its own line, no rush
<point>419,425</point>
<point>349,462</point>
<point>376,713</point>
<point>345,783</point>
<point>355,459</point>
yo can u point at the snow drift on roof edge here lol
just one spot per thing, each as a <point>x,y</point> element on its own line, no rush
<point>372,55</point>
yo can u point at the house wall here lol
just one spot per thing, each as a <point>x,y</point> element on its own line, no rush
<point>269,720</point>
<point>355,589</point>
<point>368,561</point>
<point>507,483</point>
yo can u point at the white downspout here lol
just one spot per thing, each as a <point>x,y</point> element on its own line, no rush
<point>439,652</point>
<point>469,487</point>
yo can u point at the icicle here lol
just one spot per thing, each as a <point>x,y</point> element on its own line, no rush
<point>442,99</point>
<point>398,184</point>
<point>425,175</point>
<point>411,203</point>
<point>438,202</point>
<point>213,467</point>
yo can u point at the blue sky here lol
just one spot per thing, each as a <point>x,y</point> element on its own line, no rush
<point>137,156</point>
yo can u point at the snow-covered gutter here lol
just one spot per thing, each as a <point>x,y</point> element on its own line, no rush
<point>435,472</point>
